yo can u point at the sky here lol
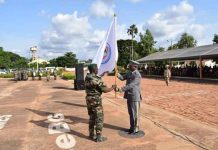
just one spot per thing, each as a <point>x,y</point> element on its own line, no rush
<point>79,26</point>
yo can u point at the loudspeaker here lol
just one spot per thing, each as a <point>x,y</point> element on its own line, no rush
<point>79,84</point>
<point>79,72</point>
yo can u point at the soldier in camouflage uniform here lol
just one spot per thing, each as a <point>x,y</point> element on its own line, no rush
<point>94,89</point>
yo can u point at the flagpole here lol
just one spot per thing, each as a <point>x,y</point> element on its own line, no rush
<point>116,70</point>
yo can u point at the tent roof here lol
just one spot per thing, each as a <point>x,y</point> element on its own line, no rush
<point>207,51</point>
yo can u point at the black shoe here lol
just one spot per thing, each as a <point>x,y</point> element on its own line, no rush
<point>130,131</point>
<point>134,133</point>
<point>100,138</point>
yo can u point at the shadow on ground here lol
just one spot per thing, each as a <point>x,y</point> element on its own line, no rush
<point>73,104</point>
<point>73,120</point>
<point>62,88</point>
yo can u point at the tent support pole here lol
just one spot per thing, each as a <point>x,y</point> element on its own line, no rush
<point>201,69</point>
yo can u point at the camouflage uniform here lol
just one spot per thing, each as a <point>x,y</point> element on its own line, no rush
<point>94,88</point>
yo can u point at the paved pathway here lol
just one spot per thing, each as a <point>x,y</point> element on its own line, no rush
<point>31,102</point>
<point>197,102</point>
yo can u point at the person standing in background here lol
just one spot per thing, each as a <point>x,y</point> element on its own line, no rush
<point>167,75</point>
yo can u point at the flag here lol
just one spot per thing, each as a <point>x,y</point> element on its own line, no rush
<point>107,54</point>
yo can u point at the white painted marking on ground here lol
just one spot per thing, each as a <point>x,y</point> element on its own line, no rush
<point>65,141</point>
<point>58,117</point>
<point>60,127</point>
<point>3,120</point>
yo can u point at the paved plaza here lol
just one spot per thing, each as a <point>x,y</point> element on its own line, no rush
<point>179,117</point>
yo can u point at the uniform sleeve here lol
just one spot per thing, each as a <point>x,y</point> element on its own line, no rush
<point>99,84</point>
<point>102,86</point>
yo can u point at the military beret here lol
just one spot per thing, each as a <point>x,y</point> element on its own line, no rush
<point>91,67</point>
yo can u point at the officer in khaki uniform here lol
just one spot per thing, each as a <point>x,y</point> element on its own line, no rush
<point>94,88</point>
<point>167,75</point>
<point>132,94</point>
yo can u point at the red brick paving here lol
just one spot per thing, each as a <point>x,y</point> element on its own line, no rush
<point>194,101</point>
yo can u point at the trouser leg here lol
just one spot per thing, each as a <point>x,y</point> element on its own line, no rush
<point>136,116</point>
<point>99,121</point>
<point>167,81</point>
<point>91,121</point>
<point>131,118</point>
<point>134,110</point>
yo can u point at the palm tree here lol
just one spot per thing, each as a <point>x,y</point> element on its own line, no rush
<point>133,30</point>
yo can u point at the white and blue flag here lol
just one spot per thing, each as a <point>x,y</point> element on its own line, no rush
<point>107,54</point>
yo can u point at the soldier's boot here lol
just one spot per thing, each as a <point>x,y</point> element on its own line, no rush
<point>92,136</point>
<point>100,138</point>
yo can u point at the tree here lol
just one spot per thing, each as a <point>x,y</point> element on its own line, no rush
<point>160,49</point>
<point>133,31</point>
<point>124,49</point>
<point>174,46</point>
<point>146,44</point>
<point>215,38</point>
<point>11,60</point>
<point>68,60</point>
<point>186,41</point>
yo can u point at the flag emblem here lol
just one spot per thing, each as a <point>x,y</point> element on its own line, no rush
<point>107,54</point>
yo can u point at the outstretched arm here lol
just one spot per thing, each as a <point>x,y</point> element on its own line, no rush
<point>122,78</point>
<point>106,89</point>
<point>103,88</point>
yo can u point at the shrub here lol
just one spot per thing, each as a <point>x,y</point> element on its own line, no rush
<point>60,71</point>
<point>68,76</point>
<point>9,75</point>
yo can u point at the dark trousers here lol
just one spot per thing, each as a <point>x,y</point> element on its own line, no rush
<point>133,110</point>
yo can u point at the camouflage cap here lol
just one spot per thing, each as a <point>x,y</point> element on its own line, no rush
<point>91,67</point>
